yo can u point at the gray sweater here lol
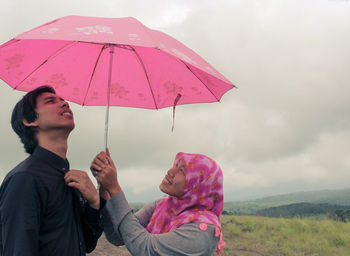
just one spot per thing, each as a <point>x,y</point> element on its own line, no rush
<point>122,226</point>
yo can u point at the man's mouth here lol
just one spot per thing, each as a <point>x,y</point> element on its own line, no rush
<point>67,113</point>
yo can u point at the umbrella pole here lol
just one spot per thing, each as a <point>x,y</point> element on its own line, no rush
<point>111,52</point>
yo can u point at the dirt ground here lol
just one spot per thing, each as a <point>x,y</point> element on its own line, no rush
<point>104,248</point>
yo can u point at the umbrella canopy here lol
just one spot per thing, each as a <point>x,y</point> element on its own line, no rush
<point>110,61</point>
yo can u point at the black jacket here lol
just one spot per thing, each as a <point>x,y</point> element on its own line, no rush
<point>41,215</point>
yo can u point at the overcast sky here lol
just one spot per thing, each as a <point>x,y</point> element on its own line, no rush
<point>285,129</point>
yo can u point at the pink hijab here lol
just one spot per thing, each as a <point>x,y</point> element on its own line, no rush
<point>202,200</point>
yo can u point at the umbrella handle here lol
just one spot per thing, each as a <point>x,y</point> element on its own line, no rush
<point>111,51</point>
<point>106,128</point>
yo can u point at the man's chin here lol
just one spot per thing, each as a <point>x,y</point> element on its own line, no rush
<point>69,128</point>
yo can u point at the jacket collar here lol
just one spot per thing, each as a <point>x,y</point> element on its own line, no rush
<point>51,159</point>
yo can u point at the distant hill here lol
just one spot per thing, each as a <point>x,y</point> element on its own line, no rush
<point>340,197</point>
<point>300,210</point>
<point>333,197</point>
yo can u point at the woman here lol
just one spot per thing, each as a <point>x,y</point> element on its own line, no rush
<point>186,222</point>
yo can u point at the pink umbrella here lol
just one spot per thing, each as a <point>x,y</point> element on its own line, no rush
<point>110,61</point>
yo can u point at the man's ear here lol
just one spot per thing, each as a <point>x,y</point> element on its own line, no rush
<point>31,124</point>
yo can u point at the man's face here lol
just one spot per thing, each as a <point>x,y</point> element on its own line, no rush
<point>53,113</point>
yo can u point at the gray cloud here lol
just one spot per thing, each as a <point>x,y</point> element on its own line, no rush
<point>284,129</point>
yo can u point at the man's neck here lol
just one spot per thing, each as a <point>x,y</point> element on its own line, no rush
<point>56,143</point>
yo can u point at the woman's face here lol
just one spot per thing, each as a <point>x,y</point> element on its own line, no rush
<point>174,181</point>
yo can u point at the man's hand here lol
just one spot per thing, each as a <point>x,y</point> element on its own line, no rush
<point>105,172</point>
<point>81,181</point>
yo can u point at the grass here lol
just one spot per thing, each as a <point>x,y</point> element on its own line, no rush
<point>280,236</point>
<point>263,236</point>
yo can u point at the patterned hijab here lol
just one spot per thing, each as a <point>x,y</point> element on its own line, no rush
<point>202,200</point>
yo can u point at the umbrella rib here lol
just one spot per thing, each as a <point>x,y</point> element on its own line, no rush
<point>144,70</point>
<point>199,80</point>
<point>93,72</point>
<point>70,44</point>
<point>13,41</point>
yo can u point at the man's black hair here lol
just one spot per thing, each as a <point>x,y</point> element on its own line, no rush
<point>25,110</point>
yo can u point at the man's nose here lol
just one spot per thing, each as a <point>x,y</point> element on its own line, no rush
<point>65,104</point>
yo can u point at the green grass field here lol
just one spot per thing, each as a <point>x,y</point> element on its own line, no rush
<point>250,235</point>
<point>263,236</point>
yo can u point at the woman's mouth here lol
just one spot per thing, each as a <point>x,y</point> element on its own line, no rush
<point>166,180</point>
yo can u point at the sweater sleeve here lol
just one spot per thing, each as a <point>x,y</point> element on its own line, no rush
<point>145,214</point>
<point>188,239</point>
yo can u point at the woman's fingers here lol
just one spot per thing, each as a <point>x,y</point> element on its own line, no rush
<point>110,161</point>
<point>102,156</point>
<point>103,166</point>
<point>98,163</point>
<point>97,166</point>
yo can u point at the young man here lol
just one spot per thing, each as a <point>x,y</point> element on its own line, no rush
<point>46,208</point>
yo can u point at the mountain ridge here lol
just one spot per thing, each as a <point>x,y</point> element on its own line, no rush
<point>334,197</point>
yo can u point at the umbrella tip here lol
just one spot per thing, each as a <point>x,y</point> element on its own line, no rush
<point>178,96</point>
